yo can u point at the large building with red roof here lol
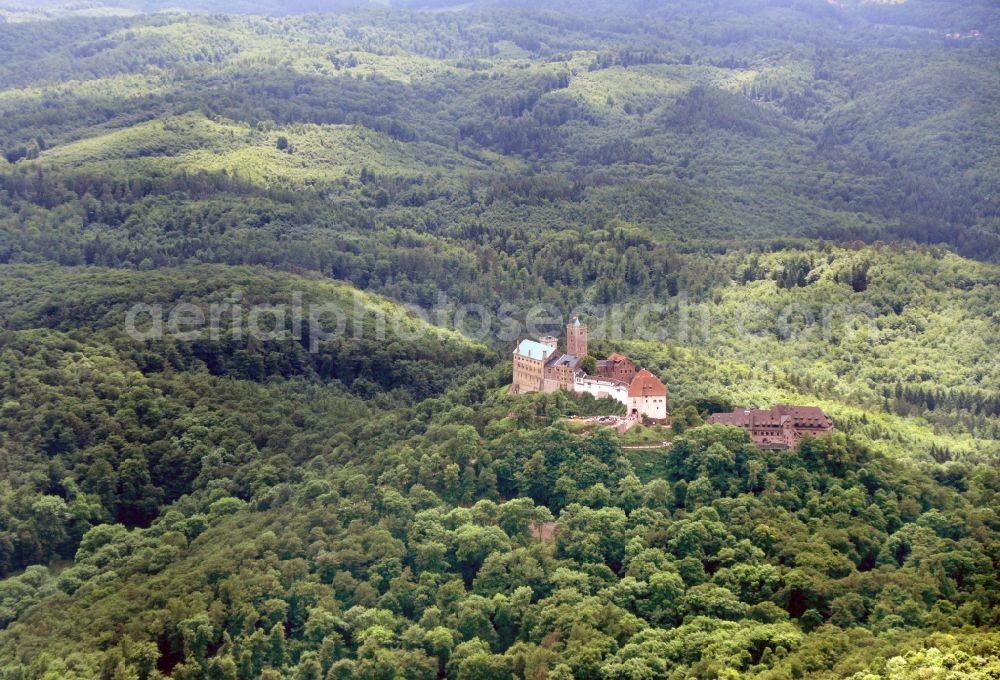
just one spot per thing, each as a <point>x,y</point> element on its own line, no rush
<point>781,427</point>
<point>647,396</point>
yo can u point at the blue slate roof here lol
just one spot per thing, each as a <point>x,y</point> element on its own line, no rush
<point>533,350</point>
<point>570,360</point>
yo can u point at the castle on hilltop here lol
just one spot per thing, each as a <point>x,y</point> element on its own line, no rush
<point>539,366</point>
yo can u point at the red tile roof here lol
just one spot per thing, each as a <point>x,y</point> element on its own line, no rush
<point>805,416</point>
<point>737,418</point>
<point>799,418</point>
<point>645,384</point>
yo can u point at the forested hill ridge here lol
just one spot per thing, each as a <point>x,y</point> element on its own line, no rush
<point>222,508</point>
<point>692,124</point>
<point>950,14</point>
<point>808,190</point>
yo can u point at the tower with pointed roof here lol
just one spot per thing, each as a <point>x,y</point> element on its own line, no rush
<point>576,338</point>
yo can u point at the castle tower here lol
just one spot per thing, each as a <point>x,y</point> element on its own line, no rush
<point>576,338</point>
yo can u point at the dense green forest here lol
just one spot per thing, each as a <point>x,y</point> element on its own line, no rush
<point>808,192</point>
